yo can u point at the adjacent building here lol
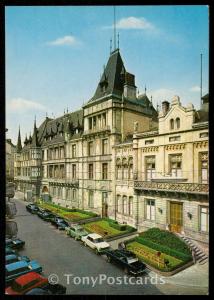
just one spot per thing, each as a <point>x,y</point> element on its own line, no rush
<point>119,157</point>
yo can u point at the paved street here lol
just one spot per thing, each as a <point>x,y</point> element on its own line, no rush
<point>59,254</point>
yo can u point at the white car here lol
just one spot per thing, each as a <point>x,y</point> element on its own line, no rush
<point>96,242</point>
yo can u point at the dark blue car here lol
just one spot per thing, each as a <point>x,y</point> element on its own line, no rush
<point>11,258</point>
<point>19,268</point>
<point>15,243</point>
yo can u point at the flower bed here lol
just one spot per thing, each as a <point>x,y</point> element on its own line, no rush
<point>105,229</point>
<point>155,245</point>
<point>150,256</point>
<point>67,213</point>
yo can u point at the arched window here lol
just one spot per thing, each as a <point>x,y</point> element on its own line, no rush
<point>171,124</point>
<point>177,123</point>
<point>125,205</point>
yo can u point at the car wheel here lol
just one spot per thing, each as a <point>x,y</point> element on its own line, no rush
<point>108,259</point>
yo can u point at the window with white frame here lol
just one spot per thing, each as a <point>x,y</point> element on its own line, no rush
<point>150,167</point>
<point>150,209</point>
<point>203,167</point>
<point>204,218</point>
<point>175,165</point>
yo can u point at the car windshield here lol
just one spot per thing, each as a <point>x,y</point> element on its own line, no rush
<point>99,240</point>
<point>16,287</point>
<point>132,260</point>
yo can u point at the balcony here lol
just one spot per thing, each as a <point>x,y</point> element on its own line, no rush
<point>191,188</point>
<point>63,181</point>
<point>97,130</point>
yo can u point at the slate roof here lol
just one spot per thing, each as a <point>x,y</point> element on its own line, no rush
<point>112,77</point>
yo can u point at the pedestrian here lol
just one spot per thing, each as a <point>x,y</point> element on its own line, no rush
<point>193,257</point>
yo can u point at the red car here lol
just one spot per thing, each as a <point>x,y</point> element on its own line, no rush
<point>25,283</point>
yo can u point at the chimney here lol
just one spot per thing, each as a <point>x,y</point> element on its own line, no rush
<point>129,86</point>
<point>165,107</point>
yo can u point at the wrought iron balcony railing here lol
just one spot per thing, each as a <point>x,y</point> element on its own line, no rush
<point>197,188</point>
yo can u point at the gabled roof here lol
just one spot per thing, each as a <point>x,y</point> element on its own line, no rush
<point>112,78</point>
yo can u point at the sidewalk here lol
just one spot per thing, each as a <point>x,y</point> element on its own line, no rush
<point>194,276</point>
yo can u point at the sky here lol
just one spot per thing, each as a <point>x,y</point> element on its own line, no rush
<point>55,56</point>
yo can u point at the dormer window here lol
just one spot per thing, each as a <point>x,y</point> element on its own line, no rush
<point>171,124</point>
<point>177,123</point>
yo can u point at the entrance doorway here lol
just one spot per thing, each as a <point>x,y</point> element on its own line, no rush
<point>176,216</point>
<point>104,205</point>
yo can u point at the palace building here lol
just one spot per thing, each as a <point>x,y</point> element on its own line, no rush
<point>117,156</point>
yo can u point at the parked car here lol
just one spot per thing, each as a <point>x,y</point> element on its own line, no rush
<point>41,211</point>
<point>76,231</point>
<point>49,289</point>
<point>8,251</point>
<point>15,243</point>
<point>11,258</point>
<point>19,268</point>
<point>96,242</point>
<point>127,260</point>
<point>25,283</point>
<point>47,216</point>
<point>32,208</point>
<point>60,223</point>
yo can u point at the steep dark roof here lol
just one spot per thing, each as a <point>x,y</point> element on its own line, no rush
<point>34,141</point>
<point>112,79</point>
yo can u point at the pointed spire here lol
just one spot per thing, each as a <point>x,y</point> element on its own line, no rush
<point>145,89</point>
<point>110,46</point>
<point>19,142</point>
<point>151,99</point>
<point>118,41</point>
<point>35,137</point>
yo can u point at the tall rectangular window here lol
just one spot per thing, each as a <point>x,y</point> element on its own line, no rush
<point>105,171</point>
<point>74,172</point>
<point>90,148</point>
<point>90,171</point>
<point>125,205</point>
<point>73,151</point>
<point>104,119</point>
<point>176,165</point>
<point>150,167</point>
<point>203,167</point>
<point>90,199</point>
<point>130,206</point>
<point>150,210</point>
<point>105,146</point>
<point>204,218</point>
<point>118,203</point>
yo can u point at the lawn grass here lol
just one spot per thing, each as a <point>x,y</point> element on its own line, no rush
<point>173,262</point>
<point>103,228</point>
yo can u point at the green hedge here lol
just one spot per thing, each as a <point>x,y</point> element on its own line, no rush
<point>165,238</point>
<point>165,249</point>
<point>122,227</point>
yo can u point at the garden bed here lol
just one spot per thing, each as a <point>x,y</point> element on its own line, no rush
<point>108,228</point>
<point>67,213</point>
<point>160,249</point>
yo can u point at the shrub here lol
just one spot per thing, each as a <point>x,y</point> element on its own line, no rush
<point>120,227</point>
<point>166,239</point>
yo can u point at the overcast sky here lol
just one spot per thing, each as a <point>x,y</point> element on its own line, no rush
<point>55,56</point>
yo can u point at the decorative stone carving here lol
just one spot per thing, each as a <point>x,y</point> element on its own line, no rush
<point>150,149</point>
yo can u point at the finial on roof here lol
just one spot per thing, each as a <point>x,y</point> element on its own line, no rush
<point>67,110</point>
<point>145,89</point>
<point>151,99</point>
<point>110,45</point>
<point>118,41</point>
